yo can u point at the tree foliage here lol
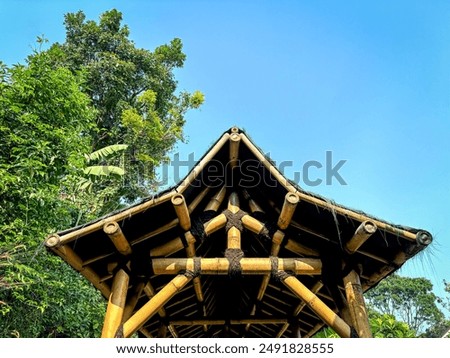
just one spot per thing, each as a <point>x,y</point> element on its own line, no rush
<point>82,124</point>
<point>134,92</point>
<point>410,300</point>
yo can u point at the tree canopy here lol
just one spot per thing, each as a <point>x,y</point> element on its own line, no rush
<point>83,125</point>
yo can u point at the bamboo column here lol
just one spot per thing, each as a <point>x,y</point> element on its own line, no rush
<point>318,306</point>
<point>233,235</point>
<point>235,139</point>
<point>147,311</point>
<point>116,304</point>
<point>362,233</point>
<point>290,203</point>
<point>114,232</point>
<point>355,299</point>
<point>181,209</point>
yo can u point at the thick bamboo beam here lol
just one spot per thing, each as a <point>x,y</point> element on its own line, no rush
<point>217,200</point>
<point>181,209</point>
<point>249,265</point>
<point>357,306</point>
<point>146,312</point>
<point>235,139</point>
<point>234,238</point>
<point>362,233</point>
<point>114,232</point>
<point>290,203</point>
<point>300,249</point>
<point>318,306</point>
<point>233,203</point>
<point>116,304</point>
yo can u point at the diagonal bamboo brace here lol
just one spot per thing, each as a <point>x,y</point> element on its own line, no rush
<point>362,233</point>
<point>114,232</point>
<point>147,311</point>
<point>287,211</point>
<point>181,209</point>
<point>116,304</point>
<point>325,313</point>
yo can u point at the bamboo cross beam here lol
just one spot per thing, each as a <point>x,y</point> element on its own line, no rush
<point>116,304</point>
<point>326,314</point>
<point>138,319</point>
<point>287,211</point>
<point>235,139</point>
<point>114,232</point>
<point>249,266</point>
<point>357,306</point>
<point>362,233</point>
<point>181,209</point>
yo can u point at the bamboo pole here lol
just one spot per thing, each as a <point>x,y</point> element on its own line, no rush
<point>190,253</point>
<point>252,224</point>
<point>116,304</point>
<point>290,203</point>
<point>181,209</point>
<point>216,201</point>
<point>234,238</point>
<point>215,224</point>
<point>357,306</point>
<point>235,139</point>
<point>139,318</point>
<point>114,232</point>
<point>300,249</point>
<point>249,265</point>
<point>318,306</point>
<point>362,233</point>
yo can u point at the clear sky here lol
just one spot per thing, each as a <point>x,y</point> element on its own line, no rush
<point>367,80</point>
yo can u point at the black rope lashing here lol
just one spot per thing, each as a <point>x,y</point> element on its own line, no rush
<point>198,224</point>
<point>277,275</point>
<point>196,271</point>
<point>234,257</point>
<point>234,219</point>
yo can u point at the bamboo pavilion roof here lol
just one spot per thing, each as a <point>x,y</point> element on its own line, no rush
<point>237,210</point>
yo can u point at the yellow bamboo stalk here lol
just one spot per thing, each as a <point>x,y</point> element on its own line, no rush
<point>233,238</point>
<point>235,139</point>
<point>290,203</point>
<point>300,249</point>
<point>181,209</point>
<point>325,313</point>
<point>114,232</point>
<point>116,304</point>
<point>252,224</point>
<point>357,306</point>
<point>215,224</point>
<point>132,300</point>
<point>249,265</point>
<point>170,247</point>
<point>233,203</point>
<point>362,233</point>
<point>147,311</point>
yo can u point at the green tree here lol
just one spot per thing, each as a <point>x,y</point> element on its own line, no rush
<point>44,124</point>
<point>410,300</point>
<point>386,326</point>
<point>135,94</point>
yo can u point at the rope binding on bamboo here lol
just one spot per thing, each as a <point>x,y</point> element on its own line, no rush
<point>234,257</point>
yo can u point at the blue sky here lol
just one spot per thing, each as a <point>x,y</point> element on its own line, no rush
<point>368,81</point>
